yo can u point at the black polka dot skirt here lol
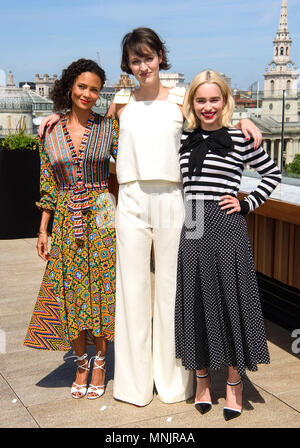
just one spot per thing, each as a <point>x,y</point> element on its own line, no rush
<point>218,315</point>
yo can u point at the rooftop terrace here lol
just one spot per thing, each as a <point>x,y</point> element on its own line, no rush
<point>35,385</point>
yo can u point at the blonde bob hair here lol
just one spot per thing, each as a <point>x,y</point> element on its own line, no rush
<point>210,77</point>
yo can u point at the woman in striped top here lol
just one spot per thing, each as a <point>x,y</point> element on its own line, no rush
<point>218,317</point>
<point>77,295</point>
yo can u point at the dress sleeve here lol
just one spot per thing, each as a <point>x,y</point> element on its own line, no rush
<point>176,95</point>
<point>48,187</point>
<point>115,139</point>
<point>270,177</point>
<point>122,96</point>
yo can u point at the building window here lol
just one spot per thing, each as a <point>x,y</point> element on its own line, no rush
<point>281,51</point>
<point>287,51</point>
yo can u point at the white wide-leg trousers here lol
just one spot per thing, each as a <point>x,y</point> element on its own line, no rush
<point>148,211</point>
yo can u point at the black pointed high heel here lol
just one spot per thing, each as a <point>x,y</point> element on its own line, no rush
<point>230,413</point>
<point>203,406</point>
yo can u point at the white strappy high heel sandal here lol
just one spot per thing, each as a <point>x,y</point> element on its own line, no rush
<point>80,389</point>
<point>98,391</point>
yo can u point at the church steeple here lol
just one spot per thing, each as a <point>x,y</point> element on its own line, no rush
<point>10,80</point>
<point>281,73</point>
<point>283,24</point>
<point>282,42</point>
<point>281,63</point>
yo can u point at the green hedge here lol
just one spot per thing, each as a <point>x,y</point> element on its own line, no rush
<point>19,141</point>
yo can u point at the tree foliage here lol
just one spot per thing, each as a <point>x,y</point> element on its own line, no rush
<point>294,167</point>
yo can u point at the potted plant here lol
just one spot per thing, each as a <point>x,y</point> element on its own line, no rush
<point>19,186</point>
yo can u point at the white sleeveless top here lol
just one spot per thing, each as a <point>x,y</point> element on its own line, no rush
<point>149,138</point>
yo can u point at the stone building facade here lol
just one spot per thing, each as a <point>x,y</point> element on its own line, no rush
<point>44,85</point>
<point>280,104</point>
<point>171,79</point>
<point>21,109</point>
<point>279,115</point>
<point>281,76</point>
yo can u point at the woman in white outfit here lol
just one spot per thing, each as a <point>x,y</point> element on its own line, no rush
<point>150,211</point>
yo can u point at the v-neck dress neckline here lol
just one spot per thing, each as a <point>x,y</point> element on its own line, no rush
<point>79,201</point>
<point>78,157</point>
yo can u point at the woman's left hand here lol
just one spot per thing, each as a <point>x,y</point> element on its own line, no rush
<point>248,127</point>
<point>230,202</point>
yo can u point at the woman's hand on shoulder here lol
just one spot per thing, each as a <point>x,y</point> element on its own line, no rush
<point>47,122</point>
<point>249,129</point>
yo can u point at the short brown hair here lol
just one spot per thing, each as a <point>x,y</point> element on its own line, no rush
<point>136,40</point>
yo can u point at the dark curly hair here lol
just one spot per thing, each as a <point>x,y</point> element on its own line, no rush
<point>136,41</point>
<point>60,93</point>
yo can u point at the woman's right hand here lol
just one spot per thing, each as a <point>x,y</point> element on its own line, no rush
<point>47,122</point>
<point>42,246</point>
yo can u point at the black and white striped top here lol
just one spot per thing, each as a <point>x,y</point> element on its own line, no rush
<point>222,175</point>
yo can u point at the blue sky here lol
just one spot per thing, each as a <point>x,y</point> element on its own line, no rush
<point>231,36</point>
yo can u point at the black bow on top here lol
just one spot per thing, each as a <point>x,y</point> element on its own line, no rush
<point>218,142</point>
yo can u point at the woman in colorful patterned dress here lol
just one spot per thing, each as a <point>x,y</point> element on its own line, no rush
<point>77,295</point>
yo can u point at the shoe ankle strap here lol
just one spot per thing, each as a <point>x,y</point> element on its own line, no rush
<point>98,358</point>
<point>202,376</point>
<point>234,384</point>
<point>79,358</point>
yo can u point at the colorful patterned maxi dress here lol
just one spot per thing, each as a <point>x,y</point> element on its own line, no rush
<point>78,287</point>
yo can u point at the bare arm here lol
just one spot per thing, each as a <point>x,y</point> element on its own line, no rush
<point>42,243</point>
<point>112,110</point>
<point>115,110</point>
